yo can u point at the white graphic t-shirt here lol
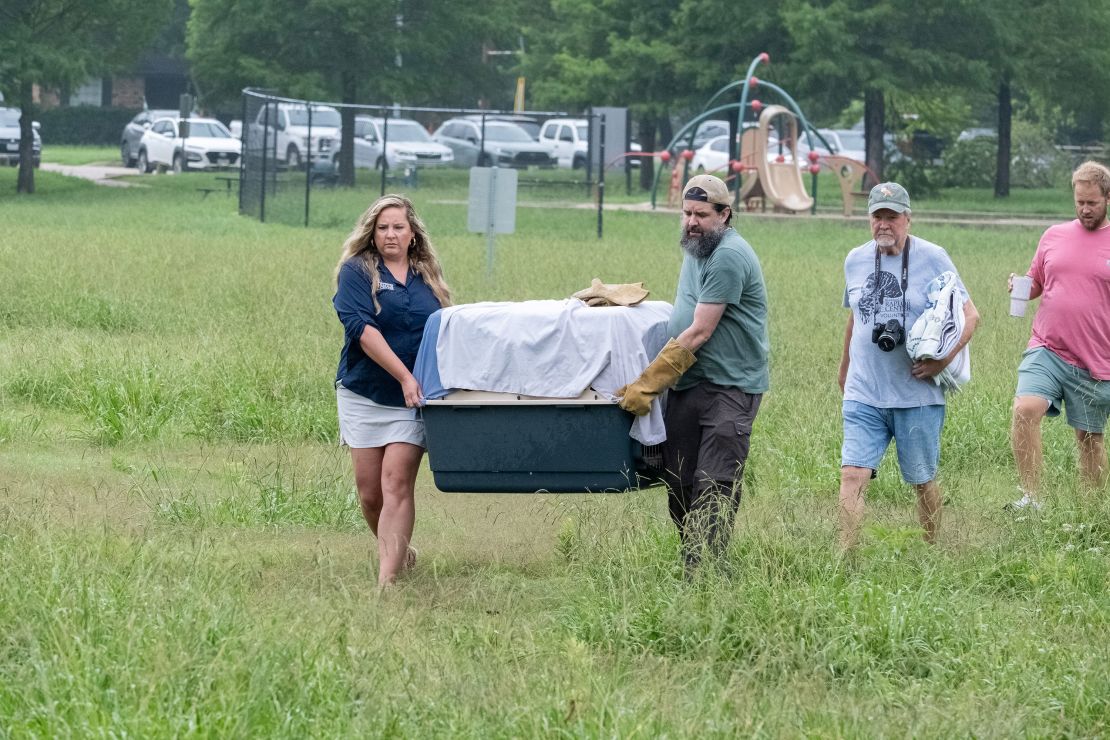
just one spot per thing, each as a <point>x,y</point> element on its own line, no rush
<point>878,378</point>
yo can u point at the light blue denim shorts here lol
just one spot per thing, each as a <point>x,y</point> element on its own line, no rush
<point>915,431</point>
<point>1087,401</point>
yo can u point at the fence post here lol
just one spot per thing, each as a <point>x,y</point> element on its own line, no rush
<point>243,136</point>
<point>482,143</point>
<point>265,157</point>
<point>628,159</point>
<point>308,164</point>
<point>591,145</point>
<point>385,141</point>
<point>600,174</point>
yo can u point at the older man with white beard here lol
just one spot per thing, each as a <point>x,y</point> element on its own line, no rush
<point>888,395</point>
<point>716,362</point>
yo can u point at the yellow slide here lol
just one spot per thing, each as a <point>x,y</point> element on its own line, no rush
<point>777,182</point>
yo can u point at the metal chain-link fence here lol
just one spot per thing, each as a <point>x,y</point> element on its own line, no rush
<point>296,152</point>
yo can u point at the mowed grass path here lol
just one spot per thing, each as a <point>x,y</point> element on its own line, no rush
<point>181,553</point>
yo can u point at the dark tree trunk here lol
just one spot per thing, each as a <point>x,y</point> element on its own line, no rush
<point>1005,141</point>
<point>666,131</point>
<point>874,124</point>
<point>349,83</point>
<point>647,142</point>
<point>25,182</point>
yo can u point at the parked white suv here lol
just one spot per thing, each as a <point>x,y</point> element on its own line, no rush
<point>287,133</point>
<point>208,146</point>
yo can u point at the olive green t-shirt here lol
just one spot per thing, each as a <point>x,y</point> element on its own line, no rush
<point>736,353</point>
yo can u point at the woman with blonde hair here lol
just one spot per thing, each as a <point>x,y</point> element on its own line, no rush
<point>388,282</point>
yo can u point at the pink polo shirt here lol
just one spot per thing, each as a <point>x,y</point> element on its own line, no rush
<point>1073,267</point>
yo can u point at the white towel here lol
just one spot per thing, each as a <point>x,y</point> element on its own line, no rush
<point>938,329</point>
<point>554,349</point>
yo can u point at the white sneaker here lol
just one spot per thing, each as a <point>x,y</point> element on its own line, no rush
<point>1025,503</point>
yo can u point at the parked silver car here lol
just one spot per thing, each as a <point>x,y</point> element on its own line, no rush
<point>134,130</point>
<point>505,144</point>
<point>407,144</point>
<point>707,130</point>
<point>10,136</point>
<point>531,124</point>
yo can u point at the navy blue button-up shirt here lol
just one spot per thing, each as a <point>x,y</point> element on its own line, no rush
<point>405,310</point>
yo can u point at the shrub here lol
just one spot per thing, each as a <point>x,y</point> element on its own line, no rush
<point>970,164</point>
<point>916,176</point>
<point>84,124</point>
<point>1036,162</point>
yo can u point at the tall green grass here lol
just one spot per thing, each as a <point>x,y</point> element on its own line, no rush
<point>181,552</point>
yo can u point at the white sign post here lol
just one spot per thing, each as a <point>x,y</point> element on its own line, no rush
<point>492,205</point>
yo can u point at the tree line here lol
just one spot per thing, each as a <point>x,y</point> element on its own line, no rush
<point>949,63</point>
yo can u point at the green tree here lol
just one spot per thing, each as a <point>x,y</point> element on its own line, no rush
<point>850,49</point>
<point>414,52</point>
<point>1054,53</point>
<point>59,43</point>
<point>584,53</point>
<point>660,59</point>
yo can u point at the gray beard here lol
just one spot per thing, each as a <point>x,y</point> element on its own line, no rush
<point>702,245</point>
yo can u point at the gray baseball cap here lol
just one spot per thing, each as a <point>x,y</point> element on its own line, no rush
<point>888,195</point>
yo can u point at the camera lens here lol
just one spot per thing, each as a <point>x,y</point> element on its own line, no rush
<point>888,335</point>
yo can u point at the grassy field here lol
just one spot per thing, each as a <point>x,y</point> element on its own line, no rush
<point>181,552</point>
<point>75,155</point>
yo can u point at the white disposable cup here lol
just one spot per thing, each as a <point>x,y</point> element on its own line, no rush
<point>1019,296</point>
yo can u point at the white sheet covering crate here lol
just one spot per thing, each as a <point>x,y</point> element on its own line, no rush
<point>549,349</point>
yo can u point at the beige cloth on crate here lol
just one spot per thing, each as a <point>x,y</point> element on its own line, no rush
<point>612,294</point>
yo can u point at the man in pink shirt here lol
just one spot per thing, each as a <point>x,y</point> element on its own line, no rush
<point>1067,361</point>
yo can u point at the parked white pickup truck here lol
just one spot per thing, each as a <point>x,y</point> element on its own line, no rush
<point>283,129</point>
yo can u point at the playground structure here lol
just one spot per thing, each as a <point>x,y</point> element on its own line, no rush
<point>763,171</point>
<point>776,179</point>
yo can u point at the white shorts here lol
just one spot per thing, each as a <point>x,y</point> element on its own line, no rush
<point>364,424</point>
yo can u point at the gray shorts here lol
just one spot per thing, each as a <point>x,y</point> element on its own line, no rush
<point>364,424</point>
<point>709,429</point>
<point>1087,401</point>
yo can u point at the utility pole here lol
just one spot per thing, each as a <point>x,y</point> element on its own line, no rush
<point>487,52</point>
<point>399,21</point>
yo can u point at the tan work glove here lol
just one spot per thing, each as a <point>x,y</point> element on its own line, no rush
<point>663,372</point>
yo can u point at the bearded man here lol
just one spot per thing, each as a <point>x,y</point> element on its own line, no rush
<point>1067,361</point>
<point>716,362</point>
<point>889,395</point>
